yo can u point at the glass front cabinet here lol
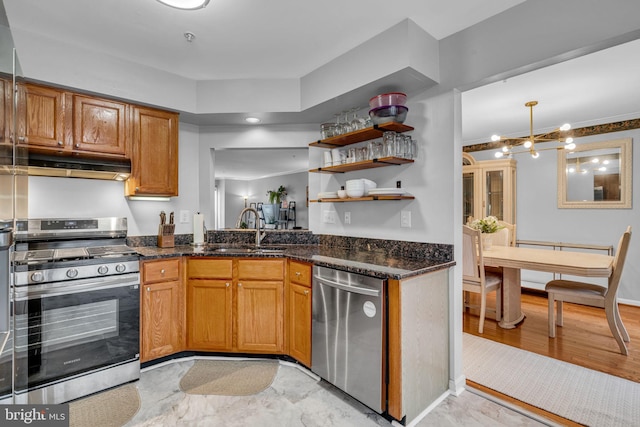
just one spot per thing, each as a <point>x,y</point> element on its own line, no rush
<point>488,188</point>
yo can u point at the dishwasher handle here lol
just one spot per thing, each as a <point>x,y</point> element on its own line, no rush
<point>348,288</point>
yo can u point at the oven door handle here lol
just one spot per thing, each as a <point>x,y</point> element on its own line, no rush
<point>85,285</point>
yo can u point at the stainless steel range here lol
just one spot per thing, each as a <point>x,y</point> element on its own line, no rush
<point>76,308</point>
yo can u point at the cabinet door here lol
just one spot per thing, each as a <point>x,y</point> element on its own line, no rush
<point>99,125</point>
<point>260,316</point>
<point>471,198</point>
<point>41,117</point>
<point>210,315</point>
<point>300,323</point>
<point>154,153</point>
<point>5,117</point>
<point>161,320</point>
<point>494,191</point>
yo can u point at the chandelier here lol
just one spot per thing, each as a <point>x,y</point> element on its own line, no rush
<point>530,142</point>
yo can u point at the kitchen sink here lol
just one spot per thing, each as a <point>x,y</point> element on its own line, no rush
<point>258,250</point>
<point>234,250</point>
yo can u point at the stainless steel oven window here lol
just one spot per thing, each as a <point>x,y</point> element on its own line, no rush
<point>68,326</point>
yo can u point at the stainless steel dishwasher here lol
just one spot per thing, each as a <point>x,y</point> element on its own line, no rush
<point>348,334</point>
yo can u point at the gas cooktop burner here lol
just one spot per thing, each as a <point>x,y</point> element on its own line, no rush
<point>40,256</point>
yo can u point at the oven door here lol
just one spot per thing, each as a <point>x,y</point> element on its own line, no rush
<point>69,328</point>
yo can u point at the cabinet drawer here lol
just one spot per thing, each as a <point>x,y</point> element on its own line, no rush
<point>300,273</point>
<point>210,268</point>
<point>161,270</point>
<point>261,269</point>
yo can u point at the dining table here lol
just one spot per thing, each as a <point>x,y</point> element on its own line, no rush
<point>512,259</point>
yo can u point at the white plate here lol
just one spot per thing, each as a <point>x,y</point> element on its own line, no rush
<point>328,195</point>
<point>386,192</point>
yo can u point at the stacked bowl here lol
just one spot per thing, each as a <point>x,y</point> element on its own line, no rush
<point>388,107</point>
<point>359,187</point>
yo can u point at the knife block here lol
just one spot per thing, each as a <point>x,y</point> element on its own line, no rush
<point>166,236</point>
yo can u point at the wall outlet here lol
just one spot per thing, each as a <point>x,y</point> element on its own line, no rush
<point>329,217</point>
<point>184,217</point>
<point>347,217</point>
<point>405,219</point>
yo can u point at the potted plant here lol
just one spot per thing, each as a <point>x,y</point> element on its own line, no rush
<point>271,210</point>
<point>276,196</point>
<point>487,226</point>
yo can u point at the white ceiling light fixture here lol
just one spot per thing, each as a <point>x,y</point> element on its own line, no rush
<point>252,120</point>
<point>530,142</point>
<point>186,4</point>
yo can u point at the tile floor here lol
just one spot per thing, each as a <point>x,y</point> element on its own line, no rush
<point>294,399</point>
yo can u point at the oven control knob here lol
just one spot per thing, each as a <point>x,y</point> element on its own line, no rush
<point>72,273</point>
<point>103,269</point>
<point>120,268</point>
<point>37,276</point>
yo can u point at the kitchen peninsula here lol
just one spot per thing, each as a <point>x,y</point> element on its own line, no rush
<point>417,287</point>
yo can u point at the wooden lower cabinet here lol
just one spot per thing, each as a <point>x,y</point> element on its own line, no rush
<point>260,316</point>
<point>210,315</point>
<point>162,309</point>
<point>235,305</point>
<point>299,312</point>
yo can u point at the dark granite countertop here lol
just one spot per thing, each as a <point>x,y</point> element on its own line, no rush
<point>374,262</point>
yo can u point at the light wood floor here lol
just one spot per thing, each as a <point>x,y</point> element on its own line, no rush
<point>585,338</point>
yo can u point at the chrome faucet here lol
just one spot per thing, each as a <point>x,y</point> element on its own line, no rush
<point>259,236</point>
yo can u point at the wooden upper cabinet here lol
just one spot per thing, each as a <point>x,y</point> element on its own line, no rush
<point>41,117</point>
<point>99,125</point>
<point>5,117</point>
<point>154,153</point>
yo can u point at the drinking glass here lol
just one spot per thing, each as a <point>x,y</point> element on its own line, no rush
<point>388,139</point>
<point>357,123</point>
<point>346,126</point>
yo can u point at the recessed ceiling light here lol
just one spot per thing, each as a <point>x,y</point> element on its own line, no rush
<point>189,36</point>
<point>186,4</point>
<point>252,120</point>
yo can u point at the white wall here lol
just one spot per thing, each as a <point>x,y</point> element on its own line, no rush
<point>538,216</point>
<point>67,197</point>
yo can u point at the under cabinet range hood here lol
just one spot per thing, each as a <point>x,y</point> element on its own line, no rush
<point>40,164</point>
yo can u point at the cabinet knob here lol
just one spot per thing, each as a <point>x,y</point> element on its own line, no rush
<point>162,271</point>
<point>60,143</point>
<point>137,189</point>
<point>306,292</point>
<point>297,274</point>
<point>227,284</point>
<point>21,138</point>
<point>78,145</point>
<point>148,289</point>
<point>240,284</point>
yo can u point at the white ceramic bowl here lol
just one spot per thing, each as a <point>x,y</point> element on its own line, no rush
<point>368,184</point>
<point>355,192</point>
<point>342,194</point>
<point>354,183</point>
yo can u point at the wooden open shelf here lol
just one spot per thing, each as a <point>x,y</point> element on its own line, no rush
<point>354,137</point>
<point>365,164</point>
<point>362,199</point>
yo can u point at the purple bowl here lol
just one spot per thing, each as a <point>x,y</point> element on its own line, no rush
<point>389,113</point>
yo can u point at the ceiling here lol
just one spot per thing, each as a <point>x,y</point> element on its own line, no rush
<point>239,39</point>
<point>256,163</point>
<point>602,87</point>
<point>291,38</point>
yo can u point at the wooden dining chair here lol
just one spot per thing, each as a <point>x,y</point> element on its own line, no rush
<point>508,234</point>
<point>593,295</point>
<point>474,277</point>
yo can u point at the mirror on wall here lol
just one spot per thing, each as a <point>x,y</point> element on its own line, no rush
<point>595,175</point>
<point>245,175</point>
